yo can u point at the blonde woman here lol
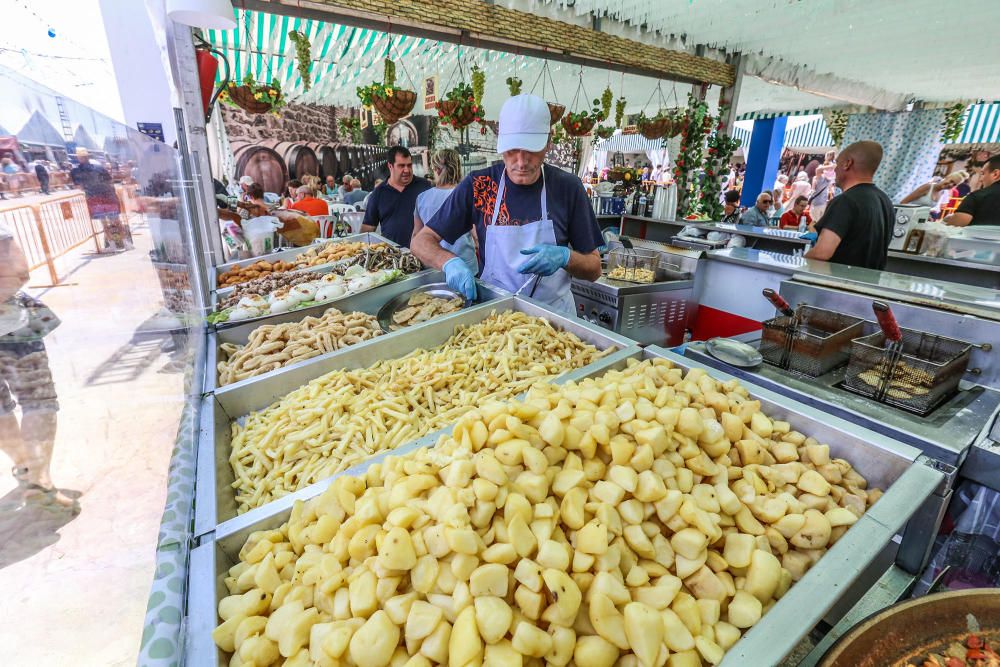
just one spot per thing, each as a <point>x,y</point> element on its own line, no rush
<point>446,166</point>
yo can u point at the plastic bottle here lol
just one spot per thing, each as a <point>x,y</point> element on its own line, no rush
<point>803,227</point>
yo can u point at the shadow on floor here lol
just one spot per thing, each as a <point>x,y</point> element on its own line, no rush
<point>26,531</point>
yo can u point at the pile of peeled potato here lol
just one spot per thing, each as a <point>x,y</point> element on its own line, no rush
<point>642,518</point>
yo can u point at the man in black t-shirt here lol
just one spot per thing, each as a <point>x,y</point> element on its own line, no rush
<point>981,207</point>
<point>391,204</point>
<point>857,225</point>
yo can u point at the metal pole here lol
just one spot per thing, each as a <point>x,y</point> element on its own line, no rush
<point>730,95</point>
<point>44,240</point>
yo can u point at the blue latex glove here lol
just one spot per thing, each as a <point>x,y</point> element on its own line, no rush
<point>809,236</point>
<point>460,278</point>
<point>546,259</point>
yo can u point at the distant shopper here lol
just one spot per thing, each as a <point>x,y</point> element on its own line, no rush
<point>820,196</point>
<point>306,202</point>
<point>288,194</point>
<point>245,183</point>
<point>42,174</point>
<point>9,166</point>
<point>446,165</point>
<point>102,201</point>
<point>857,226</point>
<point>800,188</point>
<point>256,207</point>
<point>757,215</point>
<point>392,203</point>
<point>731,207</point>
<point>792,218</point>
<point>981,207</point>
<point>778,194</point>
<point>356,195</point>
<point>345,184</point>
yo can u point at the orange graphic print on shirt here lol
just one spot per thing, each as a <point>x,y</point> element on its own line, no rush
<point>484,199</point>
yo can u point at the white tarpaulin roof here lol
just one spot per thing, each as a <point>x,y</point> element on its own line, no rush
<point>848,51</point>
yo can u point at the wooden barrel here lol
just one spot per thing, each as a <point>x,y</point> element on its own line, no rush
<point>261,163</point>
<point>328,163</point>
<point>301,159</point>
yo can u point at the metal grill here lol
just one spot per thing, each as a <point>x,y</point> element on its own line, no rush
<point>925,375</point>
<point>812,343</point>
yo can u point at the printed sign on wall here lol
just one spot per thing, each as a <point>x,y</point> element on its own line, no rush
<point>430,92</point>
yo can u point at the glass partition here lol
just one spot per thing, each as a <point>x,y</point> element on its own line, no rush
<point>99,334</point>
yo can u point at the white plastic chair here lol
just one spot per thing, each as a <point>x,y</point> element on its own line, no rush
<point>340,209</point>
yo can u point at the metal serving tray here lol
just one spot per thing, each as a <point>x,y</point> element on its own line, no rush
<point>292,253</point>
<point>886,463</point>
<point>215,505</point>
<point>369,301</point>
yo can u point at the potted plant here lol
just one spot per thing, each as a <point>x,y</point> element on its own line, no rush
<point>580,123</point>
<point>253,96</point>
<point>391,102</point>
<point>459,108</point>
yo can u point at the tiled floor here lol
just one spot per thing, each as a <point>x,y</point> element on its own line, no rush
<point>75,588</point>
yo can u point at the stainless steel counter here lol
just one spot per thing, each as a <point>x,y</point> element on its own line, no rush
<point>888,464</point>
<point>763,259</point>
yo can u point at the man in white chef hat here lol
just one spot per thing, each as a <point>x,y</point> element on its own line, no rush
<point>535,225</point>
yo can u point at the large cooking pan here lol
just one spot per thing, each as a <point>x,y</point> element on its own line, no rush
<point>908,630</point>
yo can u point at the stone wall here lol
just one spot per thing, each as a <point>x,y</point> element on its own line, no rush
<point>295,122</point>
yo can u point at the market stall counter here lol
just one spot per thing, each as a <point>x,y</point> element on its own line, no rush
<point>838,578</point>
<point>234,487</point>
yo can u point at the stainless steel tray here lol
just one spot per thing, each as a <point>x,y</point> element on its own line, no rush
<point>292,253</point>
<point>370,302</point>
<point>215,505</point>
<point>886,463</point>
<point>387,311</point>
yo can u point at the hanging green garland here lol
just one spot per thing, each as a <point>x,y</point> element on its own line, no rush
<point>837,126</point>
<point>303,56</point>
<point>954,122</point>
<point>720,151</point>
<point>619,112</point>
<point>389,73</point>
<point>514,85</point>
<point>478,85</point>
<point>698,123</point>
<point>607,97</point>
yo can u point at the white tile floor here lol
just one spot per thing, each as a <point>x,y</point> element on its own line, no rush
<point>75,592</point>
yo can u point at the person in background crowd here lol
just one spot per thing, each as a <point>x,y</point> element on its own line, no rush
<point>42,174</point>
<point>791,218</point>
<point>306,202</point>
<point>392,203</point>
<point>810,168</point>
<point>26,383</point>
<point>857,226</point>
<point>288,195</point>
<point>821,192</point>
<point>356,195</point>
<point>330,188</point>
<point>256,207</point>
<point>731,207</point>
<point>535,225</point>
<point>929,194</point>
<point>800,188</point>
<point>9,166</point>
<point>446,166</point>
<point>102,201</point>
<point>245,183</point>
<point>344,184</point>
<point>645,173</point>
<point>759,215</point>
<point>981,207</point>
<point>778,193</point>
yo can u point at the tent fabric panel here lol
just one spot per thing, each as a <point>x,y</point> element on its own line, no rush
<point>982,124</point>
<point>812,134</point>
<point>628,143</point>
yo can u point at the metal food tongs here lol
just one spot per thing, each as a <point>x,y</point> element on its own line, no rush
<point>782,307</point>
<point>893,343</point>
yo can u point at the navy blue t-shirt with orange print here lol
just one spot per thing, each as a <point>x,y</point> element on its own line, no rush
<point>474,199</point>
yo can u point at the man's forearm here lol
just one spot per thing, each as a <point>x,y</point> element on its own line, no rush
<point>367,228</point>
<point>958,219</point>
<point>585,266</point>
<point>426,245</point>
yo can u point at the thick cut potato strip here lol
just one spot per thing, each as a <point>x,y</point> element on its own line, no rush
<point>423,391</point>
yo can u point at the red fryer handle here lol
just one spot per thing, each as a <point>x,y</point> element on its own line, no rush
<point>887,321</point>
<point>778,302</point>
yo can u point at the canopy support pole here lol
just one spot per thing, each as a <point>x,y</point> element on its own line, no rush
<point>730,96</point>
<point>763,156</point>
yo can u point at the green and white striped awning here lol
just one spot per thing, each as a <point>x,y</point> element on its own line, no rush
<point>755,115</point>
<point>982,124</point>
<point>813,134</point>
<point>628,143</point>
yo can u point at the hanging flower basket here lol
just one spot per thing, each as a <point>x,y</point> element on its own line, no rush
<point>459,107</point>
<point>654,128</point>
<point>677,127</point>
<point>556,111</point>
<point>576,126</point>
<point>253,97</point>
<point>604,132</point>
<point>396,105</point>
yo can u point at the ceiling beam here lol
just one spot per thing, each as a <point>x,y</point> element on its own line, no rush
<point>488,26</point>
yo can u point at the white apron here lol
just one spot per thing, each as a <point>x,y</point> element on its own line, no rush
<point>503,255</point>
